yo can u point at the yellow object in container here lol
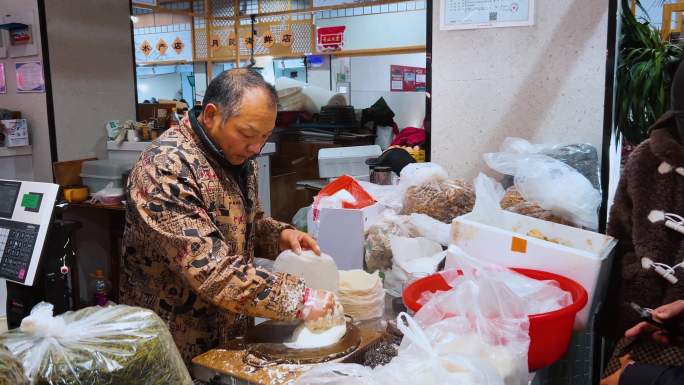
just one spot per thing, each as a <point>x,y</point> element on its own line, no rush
<point>75,194</point>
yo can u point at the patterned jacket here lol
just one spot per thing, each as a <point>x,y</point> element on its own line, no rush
<point>191,235</point>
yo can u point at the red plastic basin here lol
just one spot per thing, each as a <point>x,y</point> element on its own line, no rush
<point>550,332</point>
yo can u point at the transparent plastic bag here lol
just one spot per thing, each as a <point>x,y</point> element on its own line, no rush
<point>426,357</point>
<point>299,220</point>
<point>115,345</point>
<point>442,200</point>
<point>582,157</point>
<point>514,202</point>
<point>416,174</point>
<point>431,228</point>
<point>485,313</point>
<point>413,174</point>
<point>377,242</point>
<point>11,371</point>
<point>480,288</point>
<point>551,184</point>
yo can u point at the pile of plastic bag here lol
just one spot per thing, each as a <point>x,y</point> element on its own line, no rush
<point>115,345</point>
<point>548,182</point>
<point>377,244</point>
<point>475,334</point>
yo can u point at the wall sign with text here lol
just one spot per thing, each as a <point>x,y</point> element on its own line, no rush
<point>469,14</point>
<point>330,38</point>
<point>163,47</point>
<point>407,79</point>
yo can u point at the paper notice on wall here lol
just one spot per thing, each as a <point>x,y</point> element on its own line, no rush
<point>407,79</point>
<point>471,14</point>
<point>3,80</point>
<point>30,77</point>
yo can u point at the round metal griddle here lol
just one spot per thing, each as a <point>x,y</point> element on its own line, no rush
<point>266,342</point>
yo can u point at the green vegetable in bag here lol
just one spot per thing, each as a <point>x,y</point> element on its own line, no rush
<point>11,371</point>
<point>115,345</point>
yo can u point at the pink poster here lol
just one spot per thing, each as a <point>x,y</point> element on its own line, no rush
<point>30,77</point>
<point>3,81</point>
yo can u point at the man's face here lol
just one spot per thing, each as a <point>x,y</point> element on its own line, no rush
<point>243,135</point>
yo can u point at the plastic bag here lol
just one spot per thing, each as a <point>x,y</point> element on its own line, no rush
<point>491,199</point>
<point>378,252</point>
<point>384,136</point>
<point>485,314</point>
<point>443,200</point>
<point>412,258</point>
<point>11,371</point>
<point>581,157</point>
<point>426,357</point>
<point>317,271</point>
<point>361,198</point>
<point>551,184</point>
<point>514,202</point>
<point>479,286</point>
<point>431,228</point>
<point>116,345</point>
<point>343,192</point>
<point>109,195</point>
<point>416,174</point>
<point>299,220</point>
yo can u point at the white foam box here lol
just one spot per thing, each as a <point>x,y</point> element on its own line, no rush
<point>341,232</point>
<point>333,162</point>
<point>583,256</point>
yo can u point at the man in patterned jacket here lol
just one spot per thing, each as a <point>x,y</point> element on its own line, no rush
<point>193,224</point>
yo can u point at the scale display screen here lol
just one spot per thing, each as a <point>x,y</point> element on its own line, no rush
<point>9,191</point>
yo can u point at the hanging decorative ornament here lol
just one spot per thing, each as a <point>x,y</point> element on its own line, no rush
<point>215,42</point>
<point>267,40</point>
<point>287,37</point>
<point>162,47</point>
<point>232,40</point>
<point>146,48</point>
<point>248,40</point>
<point>178,45</point>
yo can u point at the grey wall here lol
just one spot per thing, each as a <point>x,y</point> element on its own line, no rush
<point>33,107</point>
<point>543,83</point>
<point>91,62</point>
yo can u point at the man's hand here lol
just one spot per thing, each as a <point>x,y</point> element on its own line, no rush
<point>295,240</point>
<point>662,314</point>
<point>316,304</point>
<point>614,379</point>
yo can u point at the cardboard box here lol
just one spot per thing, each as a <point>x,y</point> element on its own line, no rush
<point>340,233</point>
<point>16,132</point>
<point>581,255</point>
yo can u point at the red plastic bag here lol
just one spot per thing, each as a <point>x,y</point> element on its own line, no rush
<point>345,182</point>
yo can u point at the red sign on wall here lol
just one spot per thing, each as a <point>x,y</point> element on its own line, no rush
<point>330,38</point>
<point>407,79</point>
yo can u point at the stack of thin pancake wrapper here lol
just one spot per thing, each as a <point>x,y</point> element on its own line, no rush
<point>361,294</point>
